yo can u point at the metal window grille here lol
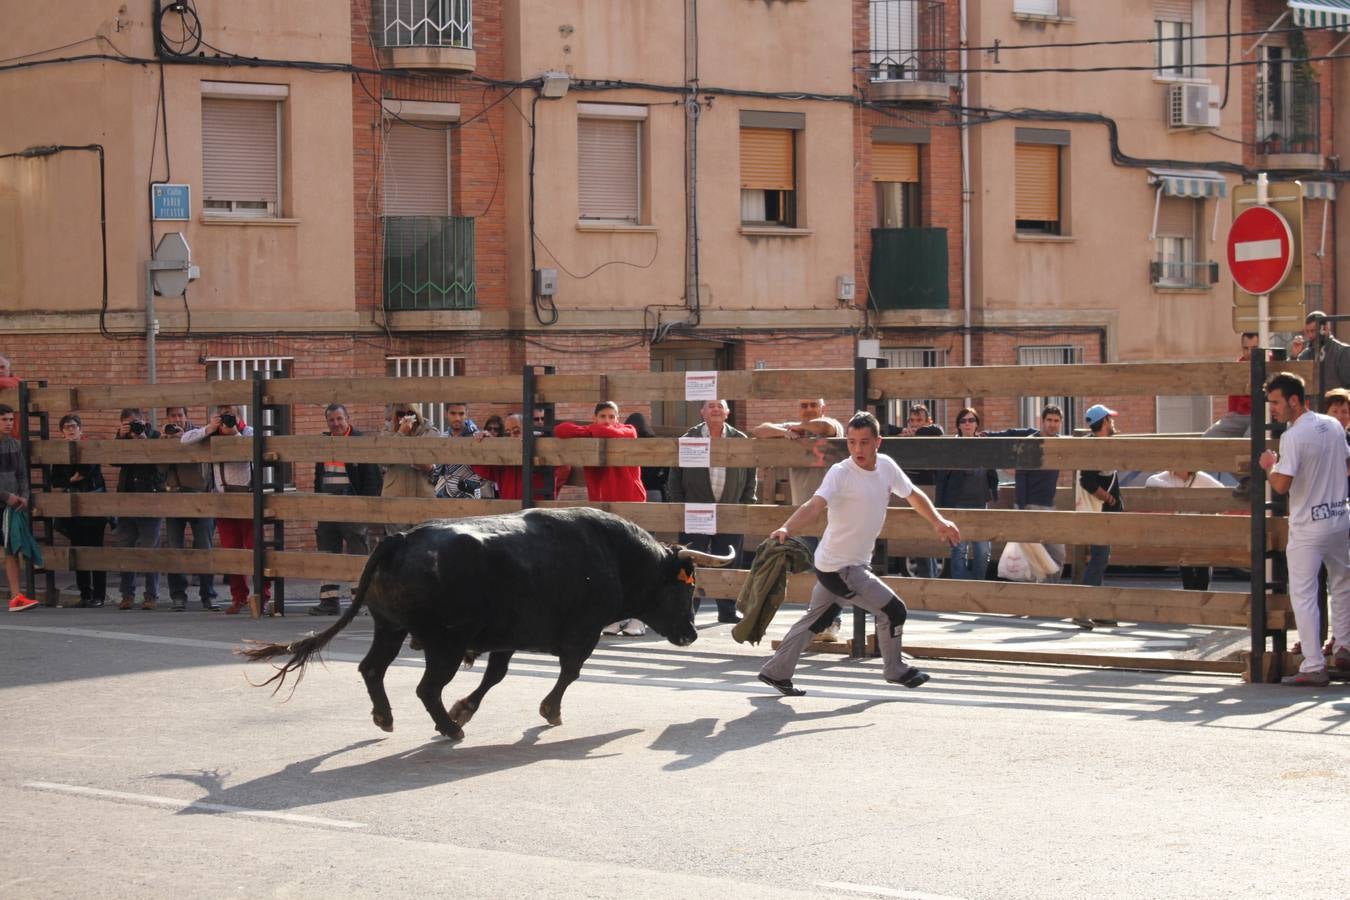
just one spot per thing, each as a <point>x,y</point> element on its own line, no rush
<point>1312,295</point>
<point>426,23</point>
<point>1055,355</point>
<point>897,411</point>
<point>241,368</point>
<point>433,411</point>
<point>907,40</point>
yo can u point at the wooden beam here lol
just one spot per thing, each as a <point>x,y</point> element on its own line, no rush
<point>164,450</point>
<point>219,561</point>
<point>1147,499</point>
<point>179,505</point>
<point>1096,660</point>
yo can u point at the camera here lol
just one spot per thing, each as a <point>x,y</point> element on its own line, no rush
<point>229,420</point>
<point>171,429</point>
<point>137,427</point>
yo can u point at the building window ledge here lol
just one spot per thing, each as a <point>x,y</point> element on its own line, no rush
<point>1165,289</point>
<point>254,221</point>
<point>1044,238</point>
<point>775,231</point>
<point>1043,19</point>
<point>593,226</point>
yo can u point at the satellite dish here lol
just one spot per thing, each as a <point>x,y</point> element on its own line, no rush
<point>171,282</point>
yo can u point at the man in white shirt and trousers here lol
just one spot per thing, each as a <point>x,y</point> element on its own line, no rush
<point>1312,467</point>
<point>856,492</point>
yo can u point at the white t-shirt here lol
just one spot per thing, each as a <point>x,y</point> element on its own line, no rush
<point>1313,452</point>
<point>1168,480</point>
<point>857,501</point>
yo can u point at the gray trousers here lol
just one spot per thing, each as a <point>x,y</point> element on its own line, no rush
<point>869,593</point>
<point>138,532</point>
<point>175,534</point>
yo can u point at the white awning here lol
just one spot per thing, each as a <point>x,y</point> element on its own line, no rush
<point>1189,183</point>
<point>1319,190</point>
<point>1321,14</point>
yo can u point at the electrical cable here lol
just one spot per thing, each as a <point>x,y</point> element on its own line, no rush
<point>545,310</point>
<point>613,262</point>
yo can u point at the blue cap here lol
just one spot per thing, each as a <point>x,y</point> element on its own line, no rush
<point>1097,412</point>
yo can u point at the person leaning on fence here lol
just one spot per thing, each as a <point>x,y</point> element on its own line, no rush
<point>856,493</point>
<point>1334,365</point>
<point>186,478</point>
<point>653,477</point>
<point>1193,578</point>
<point>508,481</point>
<point>14,495</point>
<point>1035,488</point>
<point>82,531</point>
<point>1312,466</point>
<point>408,479</point>
<point>968,489</point>
<point>342,479</point>
<point>1097,491</point>
<point>230,478</point>
<point>9,382</point>
<point>715,484</point>
<point>919,423</point>
<point>1236,422</point>
<point>138,531</point>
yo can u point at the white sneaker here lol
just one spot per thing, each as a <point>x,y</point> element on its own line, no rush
<point>634,628</point>
<point>831,633</point>
<point>615,628</point>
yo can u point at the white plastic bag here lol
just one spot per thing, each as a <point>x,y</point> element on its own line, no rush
<point>1013,564</point>
<point>1043,566</point>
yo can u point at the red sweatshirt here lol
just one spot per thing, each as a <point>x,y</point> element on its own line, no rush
<point>605,483</point>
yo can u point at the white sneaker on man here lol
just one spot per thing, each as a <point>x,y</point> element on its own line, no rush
<point>612,628</point>
<point>830,634</point>
<point>634,628</point>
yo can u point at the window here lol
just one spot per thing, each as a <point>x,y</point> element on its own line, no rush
<point>1053,355</point>
<point>241,149</point>
<point>897,411</point>
<point>1037,7</point>
<point>1038,175</point>
<point>1184,413</point>
<point>895,172</point>
<point>609,162</point>
<point>769,167</point>
<point>416,169</point>
<point>1177,264</point>
<point>673,417</point>
<point>895,27</point>
<point>274,421</point>
<point>433,411</point>
<point>1175,55</point>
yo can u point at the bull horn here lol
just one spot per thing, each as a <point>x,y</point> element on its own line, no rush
<point>706,559</point>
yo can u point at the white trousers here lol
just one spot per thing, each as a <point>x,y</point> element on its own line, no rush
<point>1306,555</point>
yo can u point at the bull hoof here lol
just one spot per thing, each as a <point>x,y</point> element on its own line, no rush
<point>462,712</point>
<point>552,715</point>
<point>385,721</point>
<point>453,733</point>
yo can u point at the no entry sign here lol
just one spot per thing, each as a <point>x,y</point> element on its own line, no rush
<point>1260,250</point>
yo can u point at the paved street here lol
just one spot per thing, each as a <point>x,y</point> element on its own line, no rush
<point>138,761</point>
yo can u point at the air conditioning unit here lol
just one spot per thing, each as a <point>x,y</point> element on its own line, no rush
<point>1193,105</point>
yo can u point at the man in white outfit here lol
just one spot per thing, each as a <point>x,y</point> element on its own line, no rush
<point>856,492</point>
<point>1312,466</point>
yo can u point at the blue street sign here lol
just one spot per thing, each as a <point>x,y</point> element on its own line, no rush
<point>171,202</point>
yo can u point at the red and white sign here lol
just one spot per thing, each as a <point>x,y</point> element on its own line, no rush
<point>1260,250</point>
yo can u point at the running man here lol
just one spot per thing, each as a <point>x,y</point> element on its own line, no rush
<point>1312,467</point>
<point>856,491</point>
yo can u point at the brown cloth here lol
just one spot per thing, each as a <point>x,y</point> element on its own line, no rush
<point>765,587</point>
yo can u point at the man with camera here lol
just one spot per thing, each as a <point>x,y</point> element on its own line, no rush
<point>138,531</point>
<point>186,478</point>
<point>343,479</point>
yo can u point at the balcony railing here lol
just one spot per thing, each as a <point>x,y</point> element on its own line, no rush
<point>429,263</point>
<point>908,37</point>
<point>1289,117</point>
<point>424,23</point>
<point>1183,274</point>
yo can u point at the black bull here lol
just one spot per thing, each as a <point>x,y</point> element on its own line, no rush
<point>543,580</point>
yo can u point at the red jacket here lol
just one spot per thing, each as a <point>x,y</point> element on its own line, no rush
<point>510,481</point>
<point>606,483</point>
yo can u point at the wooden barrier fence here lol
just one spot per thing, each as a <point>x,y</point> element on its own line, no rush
<point>1156,534</point>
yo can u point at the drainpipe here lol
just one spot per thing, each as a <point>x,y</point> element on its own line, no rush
<point>965,193</point>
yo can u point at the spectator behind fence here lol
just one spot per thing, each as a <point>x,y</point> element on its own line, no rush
<point>1337,404</point>
<point>9,382</point>
<point>1193,578</point>
<point>457,421</point>
<point>715,484</point>
<point>1097,491</point>
<point>1237,421</point>
<point>186,478</point>
<point>14,495</point>
<point>968,489</point>
<point>138,531</point>
<point>919,423</point>
<point>507,481</point>
<point>1035,488</point>
<point>1312,465</point>
<point>231,478</point>
<point>82,531</point>
<point>653,477</point>
<point>408,479</point>
<point>454,480</point>
<point>1334,365</point>
<point>342,479</point>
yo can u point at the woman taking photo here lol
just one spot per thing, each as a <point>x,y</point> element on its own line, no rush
<point>968,489</point>
<point>82,531</point>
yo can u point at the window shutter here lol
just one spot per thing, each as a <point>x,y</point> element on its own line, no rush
<point>239,150</point>
<point>416,171</point>
<point>1172,10</point>
<point>608,170</point>
<point>895,162</point>
<point>1037,7</point>
<point>1037,182</point>
<point>1176,217</point>
<point>767,159</point>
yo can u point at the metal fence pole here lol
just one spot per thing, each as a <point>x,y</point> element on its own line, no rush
<point>1257,483</point>
<point>26,444</point>
<point>859,642</point>
<point>527,438</point>
<point>259,546</point>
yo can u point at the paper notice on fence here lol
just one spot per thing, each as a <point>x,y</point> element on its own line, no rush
<point>695,453</point>
<point>700,386</point>
<point>700,518</point>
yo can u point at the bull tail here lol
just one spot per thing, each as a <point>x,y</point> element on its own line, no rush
<point>311,645</point>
